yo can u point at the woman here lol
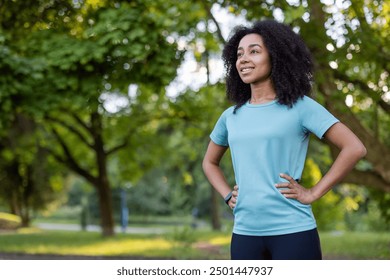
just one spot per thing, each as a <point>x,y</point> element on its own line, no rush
<point>269,77</point>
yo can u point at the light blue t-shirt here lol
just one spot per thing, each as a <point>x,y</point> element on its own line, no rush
<point>266,140</point>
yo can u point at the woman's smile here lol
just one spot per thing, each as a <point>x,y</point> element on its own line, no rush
<point>253,60</point>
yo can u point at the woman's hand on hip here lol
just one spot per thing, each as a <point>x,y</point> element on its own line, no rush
<point>233,200</point>
<point>292,189</point>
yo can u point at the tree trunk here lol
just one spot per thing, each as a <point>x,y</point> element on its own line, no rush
<point>25,217</point>
<point>105,207</point>
<point>99,181</point>
<point>103,187</point>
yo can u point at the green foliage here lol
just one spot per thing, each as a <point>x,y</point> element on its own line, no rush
<point>151,195</point>
<point>347,206</point>
<point>371,211</point>
<point>84,51</point>
<point>383,200</point>
<point>329,210</point>
<point>183,237</point>
<point>30,180</point>
<point>18,76</point>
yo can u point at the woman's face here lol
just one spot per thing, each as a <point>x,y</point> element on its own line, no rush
<point>253,61</point>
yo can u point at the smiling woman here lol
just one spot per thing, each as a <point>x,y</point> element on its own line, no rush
<point>291,62</point>
<point>269,78</point>
<point>254,67</point>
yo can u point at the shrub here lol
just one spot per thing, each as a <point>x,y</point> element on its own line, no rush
<point>9,221</point>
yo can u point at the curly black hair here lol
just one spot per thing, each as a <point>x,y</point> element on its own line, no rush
<point>291,63</point>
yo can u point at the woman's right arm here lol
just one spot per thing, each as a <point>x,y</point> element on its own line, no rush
<point>213,172</point>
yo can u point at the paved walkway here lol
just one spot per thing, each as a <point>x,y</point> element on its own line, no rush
<point>94,228</point>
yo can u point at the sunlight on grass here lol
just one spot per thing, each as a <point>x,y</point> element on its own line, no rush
<point>220,240</point>
<point>28,230</point>
<point>122,247</point>
<point>82,243</point>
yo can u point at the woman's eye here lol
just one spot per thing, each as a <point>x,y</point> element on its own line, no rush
<point>239,54</point>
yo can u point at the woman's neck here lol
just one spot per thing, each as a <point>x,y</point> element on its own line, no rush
<point>262,93</point>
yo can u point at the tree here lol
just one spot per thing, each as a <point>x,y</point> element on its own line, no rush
<point>29,179</point>
<point>79,129</point>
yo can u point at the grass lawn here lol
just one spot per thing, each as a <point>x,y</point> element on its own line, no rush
<point>356,245</point>
<point>179,245</point>
<point>183,243</point>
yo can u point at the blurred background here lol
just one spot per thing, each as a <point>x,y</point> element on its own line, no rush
<point>106,109</point>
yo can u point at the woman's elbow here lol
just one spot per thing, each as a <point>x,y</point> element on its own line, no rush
<point>206,164</point>
<point>360,150</point>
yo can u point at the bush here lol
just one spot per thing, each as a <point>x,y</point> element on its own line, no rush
<point>9,221</point>
<point>184,236</point>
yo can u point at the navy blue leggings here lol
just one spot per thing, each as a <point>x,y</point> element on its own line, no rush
<point>295,246</point>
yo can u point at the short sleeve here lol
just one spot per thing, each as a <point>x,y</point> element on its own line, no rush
<point>219,135</point>
<point>314,117</point>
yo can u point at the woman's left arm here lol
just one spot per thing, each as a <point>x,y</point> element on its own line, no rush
<point>351,151</point>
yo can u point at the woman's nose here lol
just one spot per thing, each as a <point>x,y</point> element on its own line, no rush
<point>243,59</point>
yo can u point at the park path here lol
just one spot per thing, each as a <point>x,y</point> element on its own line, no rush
<point>95,228</point>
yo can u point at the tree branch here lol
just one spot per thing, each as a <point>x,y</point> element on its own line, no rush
<point>124,144</point>
<point>385,106</point>
<point>80,121</point>
<point>69,160</point>
<point>367,178</point>
<point>376,149</point>
<point>57,156</point>
<point>213,19</point>
<point>142,122</point>
<point>70,128</point>
<point>343,77</point>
